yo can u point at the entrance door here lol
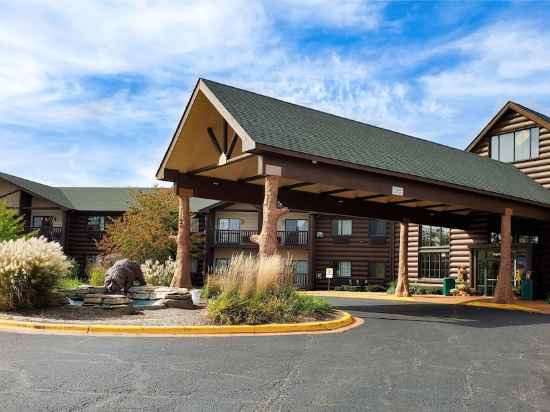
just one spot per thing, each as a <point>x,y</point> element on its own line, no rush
<point>487,264</point>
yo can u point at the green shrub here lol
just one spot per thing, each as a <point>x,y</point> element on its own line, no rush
<point>376,288</point>
<point>11,224</point>
<point>68,282</point>
<point>391,287</point>
<point>255,291</point>
<point>416,289</point>
<point>29,270</point>
<point>96,274</point>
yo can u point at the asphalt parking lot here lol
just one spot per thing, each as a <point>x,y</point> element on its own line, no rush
<point>405,357</point>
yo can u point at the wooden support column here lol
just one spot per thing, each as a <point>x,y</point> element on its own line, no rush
<point>267,239</point>
<point>402,287</point>
<point>503,289</point>
<point>182,273</point>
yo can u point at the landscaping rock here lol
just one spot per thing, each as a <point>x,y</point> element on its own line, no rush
<point>123,275</point>
<point>105,300</point>
<point>175,303</point>
<point>57,299</point>
<point>82,291</point>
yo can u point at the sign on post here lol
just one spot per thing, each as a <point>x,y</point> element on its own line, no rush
<point>329,274</point>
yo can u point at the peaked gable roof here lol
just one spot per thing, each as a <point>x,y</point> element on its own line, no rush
<point>304,132</point>
<point>89,199</point>
<point>530,114</point>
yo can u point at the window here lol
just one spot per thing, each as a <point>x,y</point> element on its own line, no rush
<point>343,269</point>
<point>377,270</point>
<point>229,224</point>
<point>342,227</point>
<point>96,223</point>
<point>296,225</point>
<point>300,267</point>
<point>38,221</point>
<point>516,146</point>
<point>194,265</point>
<point>434,264</point>
<point>377,228</point>
<point>220,263</point>
<point>195,225</point>
<point>434,236</point>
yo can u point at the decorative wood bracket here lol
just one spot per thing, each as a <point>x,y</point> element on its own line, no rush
<point>228,147</point>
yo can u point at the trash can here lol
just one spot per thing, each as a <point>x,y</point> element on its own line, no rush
<point>448,284</point>
<point>526,287</point>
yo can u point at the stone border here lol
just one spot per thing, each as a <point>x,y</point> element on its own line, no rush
<point>343,321</point>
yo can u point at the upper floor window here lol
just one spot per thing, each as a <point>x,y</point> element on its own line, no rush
<point>342,227</point>
<point>377,228</point>
<point>434,236</point>
<point>229,224</point>
<point>96,223</point>
<point>516,146</point>
<point>296,225</point>
<point>195,226</point>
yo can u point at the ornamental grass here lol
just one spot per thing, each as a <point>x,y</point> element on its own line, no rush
<point>253,291</point>
<point>29,270</point>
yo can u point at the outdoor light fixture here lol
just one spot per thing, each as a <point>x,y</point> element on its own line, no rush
<point>216,183</point>
<point>314,162</point>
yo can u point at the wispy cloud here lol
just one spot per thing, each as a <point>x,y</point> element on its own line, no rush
<point>96,88</point>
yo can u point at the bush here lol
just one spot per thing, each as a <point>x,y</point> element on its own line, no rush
<point>416,289</point>
<point>96,274</point>
<point>377,288</point>
<point>29,270</point>
<point>158,274</point>
<point>11,224</point>
<point>391,287</point>
<point>254,291</point>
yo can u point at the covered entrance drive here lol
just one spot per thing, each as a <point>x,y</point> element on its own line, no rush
<point>232,144</point>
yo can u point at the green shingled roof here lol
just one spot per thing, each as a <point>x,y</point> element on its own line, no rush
<point>288,126</point>
<point>90,199</point>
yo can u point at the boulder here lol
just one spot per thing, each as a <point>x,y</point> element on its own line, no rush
<point>108,300</point>
<point>175,303</point>
<point>123,275</point>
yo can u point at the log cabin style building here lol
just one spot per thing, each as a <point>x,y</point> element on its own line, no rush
<point>451,205</point>
<point>73,216</point>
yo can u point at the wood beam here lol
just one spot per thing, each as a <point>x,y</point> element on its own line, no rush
<point>225,190</point>
<point>403,202</point>
<point>225,137</point>
<point>383,183</point>
<point>214,140</point>
<point>169,172</point>
<point>297,185</point>
<point>250,179</point>
<point>370,197</point>
<point>434,205</point>
<point>232,145</point>
<point>333,192</point>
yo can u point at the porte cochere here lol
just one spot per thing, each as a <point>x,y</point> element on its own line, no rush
<point>230,143</point>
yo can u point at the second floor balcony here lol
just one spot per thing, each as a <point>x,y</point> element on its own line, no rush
<point>241,238</point>
<point>52,233</point>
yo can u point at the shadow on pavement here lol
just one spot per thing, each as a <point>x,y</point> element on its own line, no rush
<point>451,314</point>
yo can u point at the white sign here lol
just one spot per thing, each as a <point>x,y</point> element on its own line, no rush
<point>397,191</point>
<point>329,273</point>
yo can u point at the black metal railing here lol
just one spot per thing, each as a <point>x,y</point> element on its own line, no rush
<point>54,233</point>
<point>234,237</point>
<point>293,237</point>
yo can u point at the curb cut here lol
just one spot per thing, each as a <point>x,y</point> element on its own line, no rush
<point>344,320</point>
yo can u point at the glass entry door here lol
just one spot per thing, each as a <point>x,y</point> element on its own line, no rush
<point>487,264</point>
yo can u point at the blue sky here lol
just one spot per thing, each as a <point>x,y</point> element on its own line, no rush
<point>90,92</point>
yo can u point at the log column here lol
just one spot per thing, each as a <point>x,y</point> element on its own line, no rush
<point>182,273</point>
<point>267,239</point>
<point>503,290</point>
<point>402,287</point>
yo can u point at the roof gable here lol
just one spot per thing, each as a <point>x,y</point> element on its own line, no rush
<point>302,132</point>
<point>50,193</point>
<point>539,118</point>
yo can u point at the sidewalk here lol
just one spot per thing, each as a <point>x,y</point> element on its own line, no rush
<point>476,301</point>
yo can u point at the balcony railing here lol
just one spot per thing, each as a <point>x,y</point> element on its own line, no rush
<point>54,233</point>
<point>286,238</point>
<point>292,238</point>
<point>234,237</point>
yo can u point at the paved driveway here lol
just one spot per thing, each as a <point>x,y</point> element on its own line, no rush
<point>406,357</point>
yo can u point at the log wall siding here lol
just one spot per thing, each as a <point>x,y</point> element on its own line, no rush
<point>359,250</point>
<point>460,243</point>
<point>79,242</point>
<point>538,169</point>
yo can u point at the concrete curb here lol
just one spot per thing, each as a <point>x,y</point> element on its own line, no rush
<point>344,320</point>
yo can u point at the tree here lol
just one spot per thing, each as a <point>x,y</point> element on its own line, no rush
<point>267,239</point>
<point>148,229</point>
<point>11,224</point>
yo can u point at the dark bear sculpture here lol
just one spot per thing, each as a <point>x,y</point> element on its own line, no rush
<point>122,276</point>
